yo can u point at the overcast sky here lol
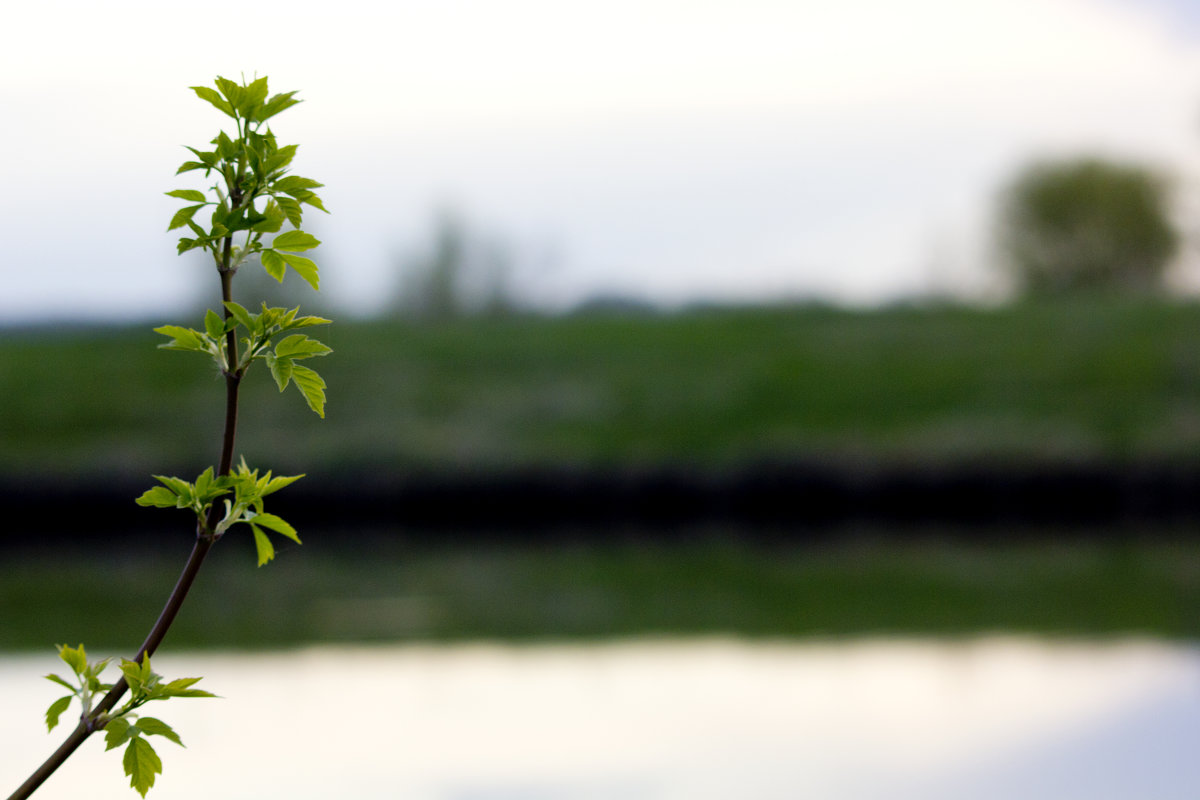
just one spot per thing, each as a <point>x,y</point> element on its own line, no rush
<point>669,149</point>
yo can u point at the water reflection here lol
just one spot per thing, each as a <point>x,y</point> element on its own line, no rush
<point>659,720</point>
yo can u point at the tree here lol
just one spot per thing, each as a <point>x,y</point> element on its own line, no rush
<point>1087,226</point>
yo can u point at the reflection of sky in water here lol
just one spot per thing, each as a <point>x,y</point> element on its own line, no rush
<point>992,718</point>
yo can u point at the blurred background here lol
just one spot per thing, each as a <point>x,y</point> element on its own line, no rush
<point>728,400</point>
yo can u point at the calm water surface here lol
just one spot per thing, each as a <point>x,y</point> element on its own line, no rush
<point>656,720</point>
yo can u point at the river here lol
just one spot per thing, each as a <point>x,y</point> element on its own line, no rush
<point>673,719</point>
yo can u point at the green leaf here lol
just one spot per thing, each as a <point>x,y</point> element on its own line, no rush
<point>292,209</point>
<point>185,339</point>
<point>311,386</point>
<point>281,370</point>
<point>188,194</point>
<point>133,675</point>
<point>75,658</point>
<point>156,727</point>
<point>188,166</point>
<point>252,97</point>
<point>205,93</point>
<point>234,93</point>
<point>276,104</point>
<point>240,314</point>
<point>180,687</point>
<point>274,264</point>
<point>266,551</point>
<point>183,216</point>
<point>305,267</point>
<point>55,711</point>
<point>278,525</point>
<point>214,324</point>
<point>300,346</point>
<point>117,732</point>
<point>159,497</point>
<point>57,679</point>
<point>280,159</point>
<point>312,200</point>
<point>141,765</point>
<point>295,240</point>
<point>275,484</point>
<point>294,184</point>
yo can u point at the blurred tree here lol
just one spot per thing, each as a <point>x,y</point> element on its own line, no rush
<point>1087,225</point>
<point>460,272</point>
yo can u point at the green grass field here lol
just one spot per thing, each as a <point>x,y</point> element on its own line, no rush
<point>716,388</point>
<point>860,583</point>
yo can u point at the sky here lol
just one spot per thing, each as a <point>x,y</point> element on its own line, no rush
<point>670,150</point>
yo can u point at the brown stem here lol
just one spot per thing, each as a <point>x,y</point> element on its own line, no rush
<point>204,542</point>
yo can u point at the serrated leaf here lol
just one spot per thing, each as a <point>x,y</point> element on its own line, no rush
<point>158,497</point>
<point>205,93</point>
<point>274,264</point>
<point>156,727</point>
<point>59,680</point>
<point>183,339</point>
<point>295,240</point>
<point>214,324</point>
<point>141,765</point>
<point>133,675</point>
<point>305,267</point>
<point>266,550</point>
<point>279,159</point>
<point>75,658</point>
<point>281,370</point>
<point>188,166</point>
<point>313,201</point>
<point>232,91</point>
<point>183,216</point>
<point>252,97</point>
<point>312,386</point>
<point>55,711</point>
<point>291,208</point>
<point>300,346</point>
<point>276,104</point>
<point>293,184</point>
<point>240,314</point>
<point>275,484</point>
<point>277,524</point>
<point>117,732</point>
<point>194,195</point>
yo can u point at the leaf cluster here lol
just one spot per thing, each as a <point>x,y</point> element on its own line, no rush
<point>254,194</point>
<point>242,491</point>
<point>122,726</point>
<point>260,331</point>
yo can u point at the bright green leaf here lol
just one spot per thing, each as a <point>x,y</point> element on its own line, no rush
<point>240,314</point>
<point>188,166</point>
<point>278,525</point>
<point>293,184</point>
<point>141,765</point>
<point>281,370</point>
<point>58,679</point>
<point>117,732</point>
<point>312,386</point>
<point>274,264</point>
<point>75,658</point>
<point>275,484</point>
<point>266,551</point>
<point>55,711</point>
<point>300,346</point>
<point>292,209</point>
<point>183,216</point>
<point>159,497</point>
<point>305,267</point>
<point>156,727</point>
<point>188,194</point>
<point>208,94</point>
<point>214,324</point>
<point>295,240</point>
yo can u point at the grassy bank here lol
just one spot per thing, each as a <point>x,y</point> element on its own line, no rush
<point>1087,381</point>
<point>385,590</point>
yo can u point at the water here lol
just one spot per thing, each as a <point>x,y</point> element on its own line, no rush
<point>656,720</point>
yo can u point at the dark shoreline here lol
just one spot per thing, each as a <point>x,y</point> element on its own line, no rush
<point>770,500</point>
